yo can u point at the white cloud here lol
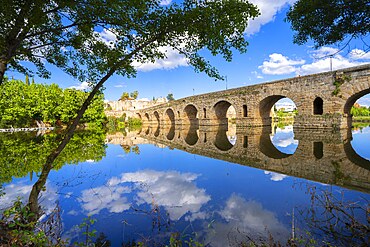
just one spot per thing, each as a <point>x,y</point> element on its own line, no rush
<point>83,86</point>
<point>173,60</point>
<point>246,219</point>
<point>257,75</point>
<point>364,101</point>
<point>357,54</point>
<point>321,61</point>
<point>268,10</point>
<point>279,65</point>
<point>107,36</point>
<point>275,176</point>
<point>119,86</point>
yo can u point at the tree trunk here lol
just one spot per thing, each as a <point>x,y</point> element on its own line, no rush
<point>40,183</point>
<point>3,67</point>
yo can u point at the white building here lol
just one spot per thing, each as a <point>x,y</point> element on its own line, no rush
<point>120,107</point>
<point>285,107</point>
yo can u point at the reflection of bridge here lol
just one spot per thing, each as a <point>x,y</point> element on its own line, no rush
<point>322,156</point>
<point>320,103</point>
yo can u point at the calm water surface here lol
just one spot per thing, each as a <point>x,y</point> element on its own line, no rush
<point>215,186</point>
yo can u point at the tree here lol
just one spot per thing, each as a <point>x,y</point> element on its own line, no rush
<point>124,96</point>
<point>21,104</point>
<point>27,80</point>
<point>38,29</point>
<point>34,30</point>
<point>329,22</point>
<point>134,94</point>
<point>170,97</point>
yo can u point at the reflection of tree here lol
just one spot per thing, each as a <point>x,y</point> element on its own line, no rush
<point>134,149</point>
<point>339,221</point>
<point>84,145</point>
<point>22,153</point>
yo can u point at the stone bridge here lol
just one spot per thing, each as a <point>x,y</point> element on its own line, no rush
<point>322,155</point>
<point>323,101</point>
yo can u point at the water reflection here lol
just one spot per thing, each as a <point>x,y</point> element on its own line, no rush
<point>146,193</point>
<point>246,219</point>
<point>191,136</point>
<point>323,156</point>
<point>283,139</point>
<point>222,141</point>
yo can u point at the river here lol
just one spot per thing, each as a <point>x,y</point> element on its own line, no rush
<point>218,187</point>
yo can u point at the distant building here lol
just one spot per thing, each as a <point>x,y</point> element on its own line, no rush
<point>356,105</point>
<point>127,107</point>
<point>285,107</point>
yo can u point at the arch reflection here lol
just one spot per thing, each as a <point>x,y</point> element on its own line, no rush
<point>192,136</point>
<point>357,148</point>
<point>157,131</point>
<point>171,133</point>
<point>321,156</point>
<point>223,141</point>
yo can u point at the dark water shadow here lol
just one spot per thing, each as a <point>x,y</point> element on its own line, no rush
<point>268,148</point>
<point>171,133</point>
<point>192,136</point>
<point>222,142</point>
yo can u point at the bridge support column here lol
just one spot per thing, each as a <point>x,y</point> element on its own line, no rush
<point>326,121</point>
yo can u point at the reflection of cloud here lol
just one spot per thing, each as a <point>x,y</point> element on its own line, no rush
<point>73,212</point>
<point>275,176</point>
<point>284,139</point>
<point>172,190</point>
<point>105,197</point>
<point>246,219</point>
<point>47,199</point>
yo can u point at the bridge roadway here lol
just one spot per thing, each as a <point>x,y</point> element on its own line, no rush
<point>323,101</point>
<point>322,155</point>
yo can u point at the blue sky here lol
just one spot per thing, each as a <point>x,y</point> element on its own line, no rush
<point>271,56</point>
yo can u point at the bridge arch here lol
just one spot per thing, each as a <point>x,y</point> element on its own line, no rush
<point>352,100</point>
<point>266,107</point>
<point>191,114</point>
<point>138,115</point>
<point>221,110</point>
<point>169,117</point>
<point>359,90</point>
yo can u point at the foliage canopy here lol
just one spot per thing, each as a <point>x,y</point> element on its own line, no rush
<point>331,21</point>
<point>72,34</point>
<point>22,104</point>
